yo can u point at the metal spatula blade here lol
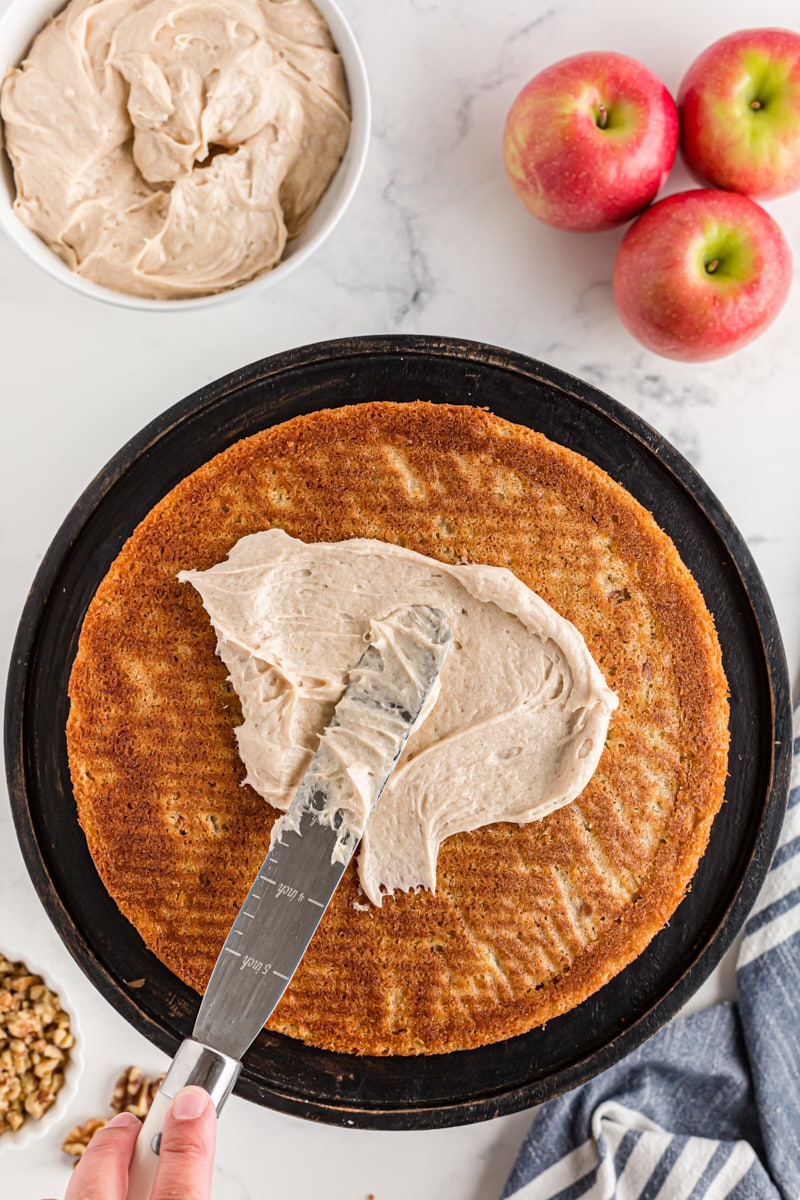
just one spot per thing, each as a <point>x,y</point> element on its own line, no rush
<point>357,752</point>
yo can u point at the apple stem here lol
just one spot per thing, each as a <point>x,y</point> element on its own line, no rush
<point>602,119</point>
<point>712,266</point>
<point>755,105</point>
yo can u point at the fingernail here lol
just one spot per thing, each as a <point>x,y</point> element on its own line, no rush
<point>190,1103</point>
<point>123,1120</point>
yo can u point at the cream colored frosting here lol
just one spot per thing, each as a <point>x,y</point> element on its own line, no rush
<point>389,693</point>
<point>515,733</point>
<point>168,148</point>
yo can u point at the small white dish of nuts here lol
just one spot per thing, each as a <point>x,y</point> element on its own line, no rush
<point>40,1051</point>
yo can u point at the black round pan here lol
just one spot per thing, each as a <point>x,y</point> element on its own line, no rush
<point>425,1092</point>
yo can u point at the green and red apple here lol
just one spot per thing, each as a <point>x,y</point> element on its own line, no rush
<point>740,113</point>
<point>589,141</point>
<point>701,274</point>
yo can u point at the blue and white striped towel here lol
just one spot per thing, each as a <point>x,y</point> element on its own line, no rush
<point>709,1108</point>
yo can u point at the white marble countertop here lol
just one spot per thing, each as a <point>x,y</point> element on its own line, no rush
<point>434,243</point>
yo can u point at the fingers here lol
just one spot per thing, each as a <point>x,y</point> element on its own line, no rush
<point>185,1161</point>
<point>102,1171</point>
<point>186,1157</point>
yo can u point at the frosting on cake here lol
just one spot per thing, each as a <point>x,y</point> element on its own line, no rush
<point>516,730</point>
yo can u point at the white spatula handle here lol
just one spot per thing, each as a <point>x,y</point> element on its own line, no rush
<point>195,1064</point>
<point>145,1161</point>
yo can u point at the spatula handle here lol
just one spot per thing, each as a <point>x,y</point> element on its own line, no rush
<point>195,1064</point>
<point>143,1166</point>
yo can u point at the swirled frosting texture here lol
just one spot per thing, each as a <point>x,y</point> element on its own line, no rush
<point>168,149</point>
<point>516,731</point>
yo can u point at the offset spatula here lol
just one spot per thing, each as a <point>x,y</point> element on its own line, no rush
<point>318,835</point>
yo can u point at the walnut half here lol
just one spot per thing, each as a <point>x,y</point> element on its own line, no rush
<point>78,1139</point>
<point>134,1092</point>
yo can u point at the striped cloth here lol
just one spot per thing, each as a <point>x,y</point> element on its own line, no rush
<point>708,1108</point>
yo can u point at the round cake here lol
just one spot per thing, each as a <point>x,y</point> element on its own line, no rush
<point>526,920</point>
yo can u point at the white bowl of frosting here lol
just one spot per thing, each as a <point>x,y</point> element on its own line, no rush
<point>20,25</point>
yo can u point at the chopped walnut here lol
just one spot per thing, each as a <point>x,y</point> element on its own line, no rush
<point>134,1092</point>
<point>76,1142</point>
<point>35,1039</point>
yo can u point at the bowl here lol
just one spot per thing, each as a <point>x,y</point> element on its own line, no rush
<point>35,1129</point>
<point>19,25</point>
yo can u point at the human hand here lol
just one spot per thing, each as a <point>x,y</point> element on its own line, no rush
<point>184,1163</point>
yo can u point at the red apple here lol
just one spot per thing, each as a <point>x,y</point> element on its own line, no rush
<point>701,274</point>
<point>589,141</point>
<point>740,113</point>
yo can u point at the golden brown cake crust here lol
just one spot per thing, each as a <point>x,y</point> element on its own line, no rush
<point>526,921</point>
